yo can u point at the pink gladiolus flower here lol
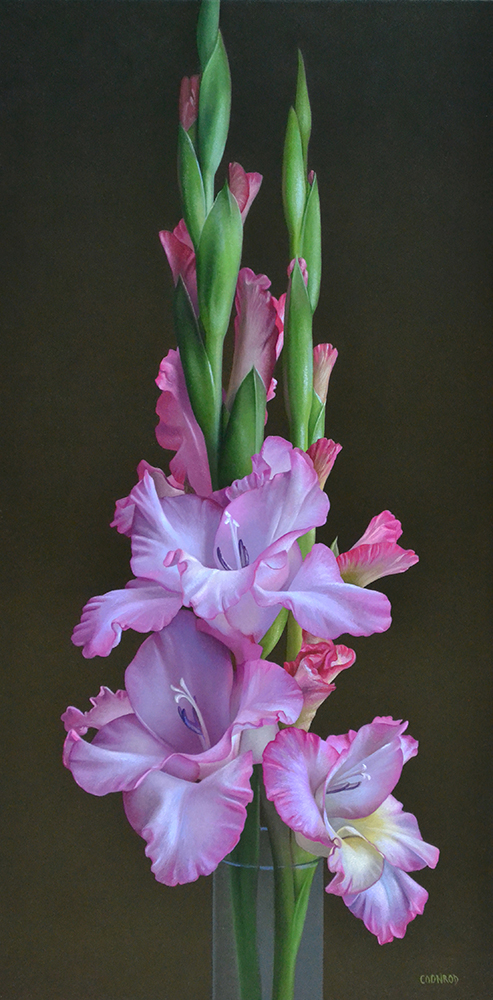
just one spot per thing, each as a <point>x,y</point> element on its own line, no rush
<point>244,187</point>
<point>318,663</point>
<point>376,553</point>
<point>323,454</point>
<point>178,744</point>
<point>233,558</point>
<point>336,795</point>
<point>256,332</point>
<point>178,429</point>
<point>188,104</point>
<point>179,250</point>
<point>324,359</point>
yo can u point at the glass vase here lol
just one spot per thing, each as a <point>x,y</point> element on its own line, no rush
<point>244,920</point>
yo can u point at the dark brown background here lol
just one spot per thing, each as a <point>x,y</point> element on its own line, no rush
<point>401,104</point>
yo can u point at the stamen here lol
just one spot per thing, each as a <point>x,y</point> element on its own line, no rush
<point>244,557</point>
<point>352,781</point>
<point>221,559</point>
<point>196,724</point>
<point>240,551</point>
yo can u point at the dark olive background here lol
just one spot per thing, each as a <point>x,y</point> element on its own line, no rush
<point>401,99</point>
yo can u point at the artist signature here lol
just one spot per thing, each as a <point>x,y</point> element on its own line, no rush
<point>442,978</point>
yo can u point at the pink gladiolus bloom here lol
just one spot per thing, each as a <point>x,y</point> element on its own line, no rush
<point>256,332</point>
<point>376,553</point>
<point>178,744</point>
<point>178,429</point>
<point>188,104</point>
<point>324,359</point>
<point>244,187</point>
<point>233,558</point>
<point>336,795</point>
<point>318,663</point>
<point>323,454</point>
<point>179,250</point>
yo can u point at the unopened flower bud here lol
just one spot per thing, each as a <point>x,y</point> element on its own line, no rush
<point>324,359</point>
<point>188,104</point>
<point>318,663</point>
<point>323,454</point>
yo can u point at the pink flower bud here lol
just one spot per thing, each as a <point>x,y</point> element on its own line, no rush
<point>244,187</point>
<point>188,103</point>
<point>304,270</point>
<point>324,359</point>
<point>318,663</point>
<point>323,454</point>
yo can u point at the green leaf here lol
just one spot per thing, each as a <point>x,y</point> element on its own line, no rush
<point>293,182</point>
<point>197,371</point>
<point>218,261</point>
<point>316,424</point>
<point>245,431</point>
<point>302,108</point>
<point>311,243</point>
<point>191,186</point>
<point>214,111</point>
<point>298,358</point>
<point>335,547</point>
<point>207,29</point>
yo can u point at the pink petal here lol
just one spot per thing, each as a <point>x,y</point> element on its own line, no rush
<point>244,187</point>
<point>120,755</point>
<point>389,905</point>
<point>357,863</point>
<point>382,528</point>
<point>178,429</point>
<point>295,766</point>
<point>322,603</point>
<point>267,694</point>
<point>106,707</point>
<point>142,606</point>
<point>165,486</point>
<point>365,563</point>
<point>161,527</point>
<point>396,835</point>
<point>190,827</point>
<point>255,331</point>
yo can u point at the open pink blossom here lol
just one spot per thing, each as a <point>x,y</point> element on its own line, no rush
<point>178,429</point>
<point>336,795</point>
<point>244,187</point>
<point>376,553</point>
<point>315,668</point>
<point>233,558</point>
<point>256,332</point>
<point>178,742</point>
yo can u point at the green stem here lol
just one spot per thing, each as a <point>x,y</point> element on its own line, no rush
<point>293,638</point>
<point>244,877</point>
<point>294,870</point>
